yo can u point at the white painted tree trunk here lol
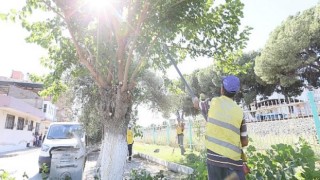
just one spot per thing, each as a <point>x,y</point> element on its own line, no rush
<point>114,156</point>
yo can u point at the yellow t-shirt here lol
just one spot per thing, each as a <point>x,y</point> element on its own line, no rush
<point>129,136</point>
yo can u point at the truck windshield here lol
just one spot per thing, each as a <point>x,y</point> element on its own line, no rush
<point>65,131</point>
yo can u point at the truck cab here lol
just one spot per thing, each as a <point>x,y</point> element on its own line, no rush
<point>61,135</point>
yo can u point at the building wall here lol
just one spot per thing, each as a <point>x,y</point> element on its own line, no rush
<point>13,139</point>
<point>21,93</point>
<point>37,103</point>
<point>27,96</point>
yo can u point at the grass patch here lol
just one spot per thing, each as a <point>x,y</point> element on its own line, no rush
<point>165,152</point>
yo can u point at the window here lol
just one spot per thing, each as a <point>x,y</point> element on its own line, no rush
<point>9,121</point>
<point>291,110</point>
<point>45,108</point>
<point>30,127</point>
<point>20,123</point>
<point>67,131</point>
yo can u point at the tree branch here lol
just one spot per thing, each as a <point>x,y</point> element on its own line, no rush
<point>82,59</point>
<point>110,75</point>
<point>137,69</point>
<point>136,33</point>
<point>120,52</point>
<point>54,10</point>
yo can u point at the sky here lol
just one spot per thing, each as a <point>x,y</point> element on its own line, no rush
<point>262,15</point>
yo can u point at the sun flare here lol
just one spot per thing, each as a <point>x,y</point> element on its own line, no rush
<point>99,5</point>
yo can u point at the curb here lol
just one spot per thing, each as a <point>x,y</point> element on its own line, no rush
<point>8,155</point>
<point>16,153</point>
<point>170,165</point>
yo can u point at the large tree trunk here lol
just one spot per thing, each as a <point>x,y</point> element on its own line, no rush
<point>114,155</point>
<point>116,108</point>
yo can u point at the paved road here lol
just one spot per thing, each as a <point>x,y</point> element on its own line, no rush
<point>135,164</point>
<point>26,162</point>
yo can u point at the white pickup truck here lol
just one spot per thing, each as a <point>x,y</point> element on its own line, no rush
<point>61,135</point>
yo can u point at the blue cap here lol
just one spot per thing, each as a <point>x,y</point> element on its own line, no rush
<point>231,84</point>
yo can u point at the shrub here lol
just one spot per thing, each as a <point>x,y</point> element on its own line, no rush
<point>283,161</point>
<point>144,175</point>
<point>199,165</point>
<point>44,171</point>
<point>5,175</point>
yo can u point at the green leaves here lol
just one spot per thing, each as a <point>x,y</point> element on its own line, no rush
<point>283,161</point>
<point>193,28</point>
<point>198,163</point>
<point>5,175</point>
<point>3,16</point>
<point>291,53</point>
<point>55,89</point>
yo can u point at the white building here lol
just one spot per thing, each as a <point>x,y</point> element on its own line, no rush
<point>19,121</point>
<point>49,110</point>
<point>279,107</point>
<point>22,113</point>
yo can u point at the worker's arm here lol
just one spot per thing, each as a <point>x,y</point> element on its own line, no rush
<point>203,106</point>
<point>244,134</point>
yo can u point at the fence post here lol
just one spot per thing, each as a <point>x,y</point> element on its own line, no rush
<point>143,138</point>
<point>154,135</point>
<point>315,113</point>
<point>190,134</point>
<point>168,134</point>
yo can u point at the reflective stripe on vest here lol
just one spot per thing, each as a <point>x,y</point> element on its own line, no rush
<point>225,125</point>
<point>224,144</point>
<point>223,128</point>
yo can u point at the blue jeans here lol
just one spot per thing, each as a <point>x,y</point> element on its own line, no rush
<point>221,173</point>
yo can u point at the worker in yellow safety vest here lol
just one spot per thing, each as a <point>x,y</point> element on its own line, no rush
<point>129,142</point>
<point>226,133</point>
<point>180,129</point>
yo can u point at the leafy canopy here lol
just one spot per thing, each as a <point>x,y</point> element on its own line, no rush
<point>291,54</point>
<point>116,42</point>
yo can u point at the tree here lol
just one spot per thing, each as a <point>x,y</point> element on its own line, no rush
<point>65,110</point>
<point>208,82</point>
<point>150,90</point>
<point>292,52</point>
<point>251,84</point>
<point>119,40</point>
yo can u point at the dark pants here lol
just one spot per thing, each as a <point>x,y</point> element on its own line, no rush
<point>130,151</point>
<point>220,173</point>
<point>180,142</point>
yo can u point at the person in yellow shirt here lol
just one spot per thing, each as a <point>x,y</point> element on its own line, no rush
<point>130,141</point>
<point>180,129</point>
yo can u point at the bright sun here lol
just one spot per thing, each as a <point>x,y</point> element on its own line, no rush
<point>99,5</point>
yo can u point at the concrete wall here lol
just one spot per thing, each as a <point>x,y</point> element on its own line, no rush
<point>37,103</point>
<point>27,96</point>
<point>13,139</point>
<point>21,93</point>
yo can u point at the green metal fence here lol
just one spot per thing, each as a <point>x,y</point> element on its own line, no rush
<point>166,135</point>
<point>270,124</point>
